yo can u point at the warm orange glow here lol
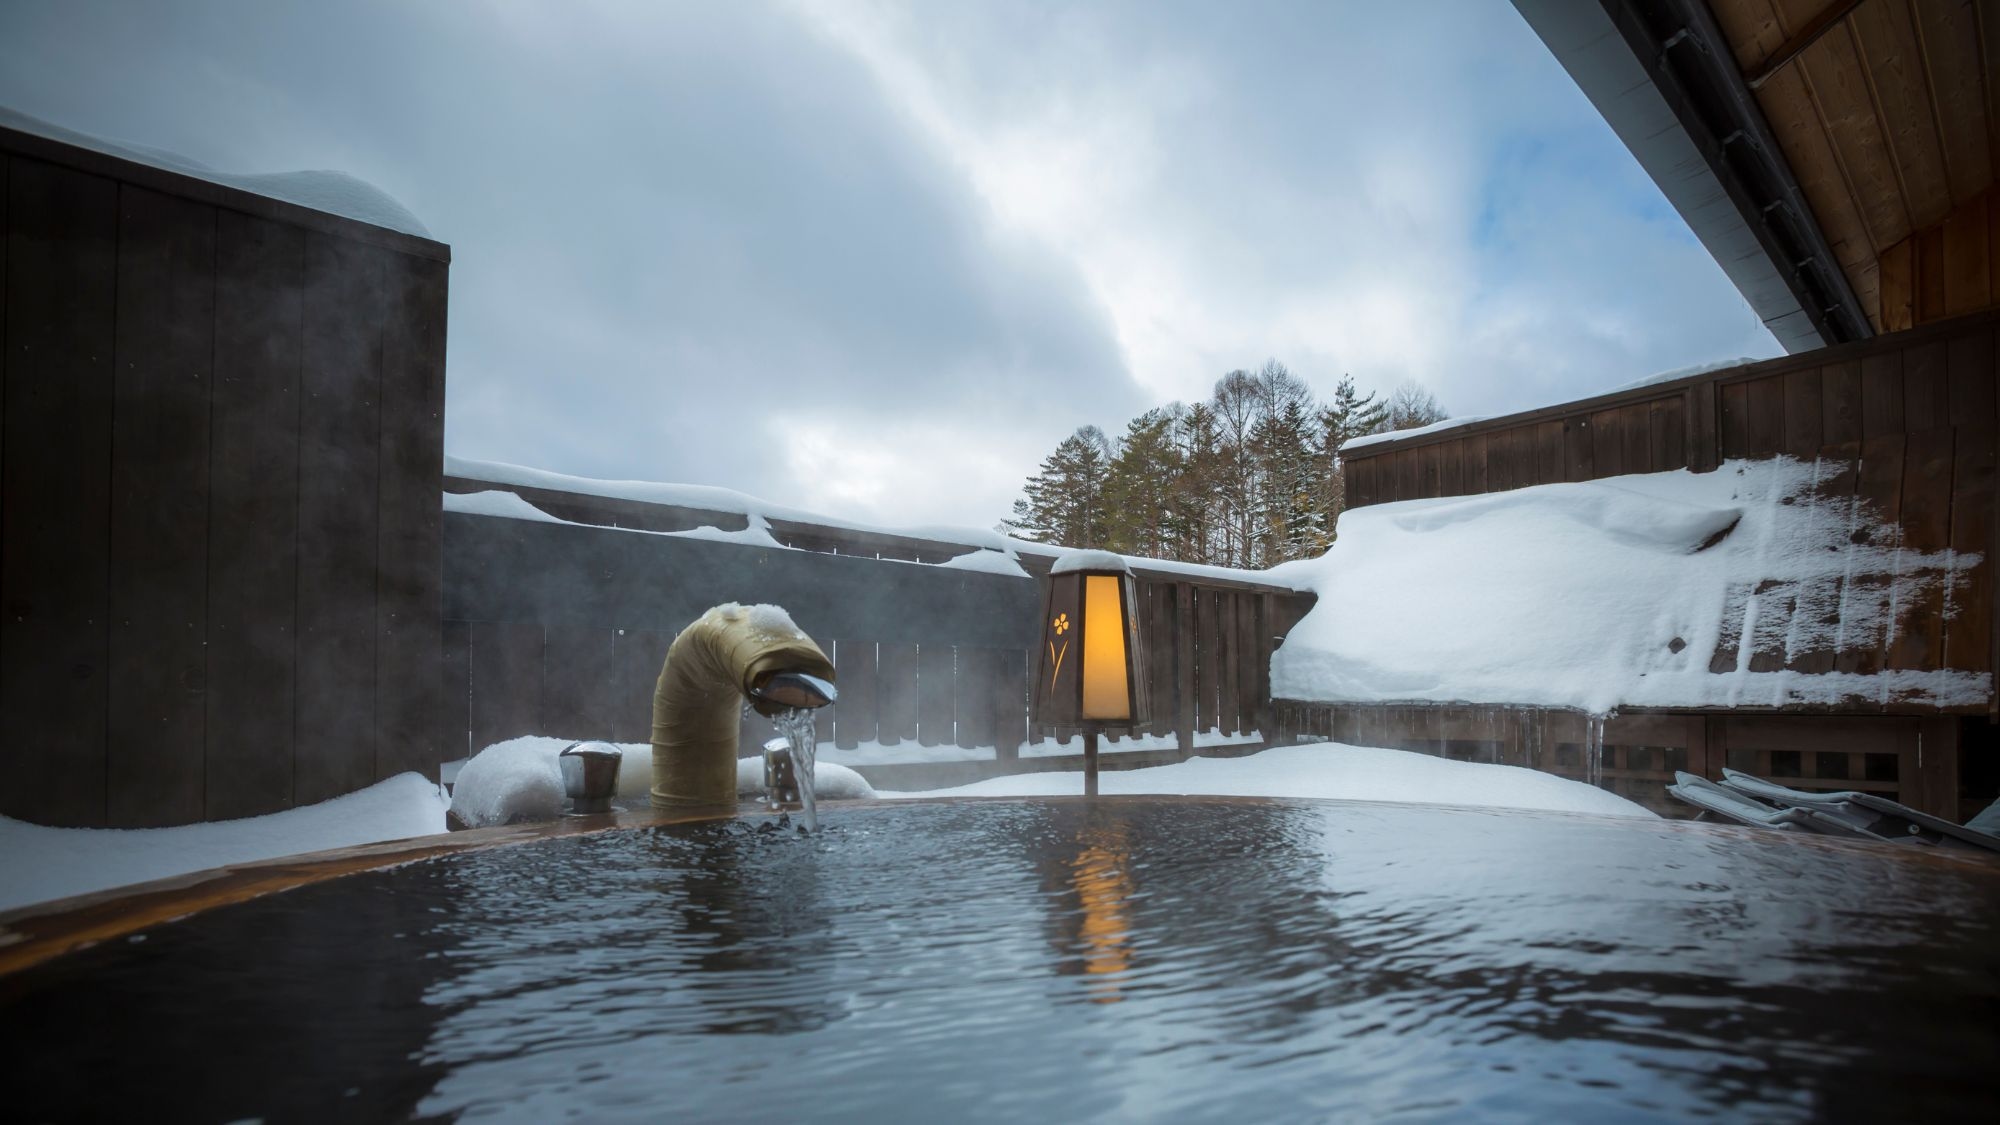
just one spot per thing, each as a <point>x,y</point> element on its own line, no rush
<point>1104,889</point>
<point>1106,694</point>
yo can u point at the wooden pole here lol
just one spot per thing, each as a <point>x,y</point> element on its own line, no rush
<point>1090,762</point>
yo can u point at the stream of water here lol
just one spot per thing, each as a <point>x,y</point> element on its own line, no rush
<point>797,727</point>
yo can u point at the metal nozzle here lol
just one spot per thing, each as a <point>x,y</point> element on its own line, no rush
<point>590,775</point>
<point>792,691</point>
<point>781,778</point>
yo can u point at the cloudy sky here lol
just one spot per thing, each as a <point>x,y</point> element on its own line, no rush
<point>876,259</point>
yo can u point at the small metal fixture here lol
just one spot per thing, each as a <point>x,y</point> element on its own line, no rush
<point>1093,659</point>
<point>590,775</point>
<point>781,775</point>
<point>791,691</point>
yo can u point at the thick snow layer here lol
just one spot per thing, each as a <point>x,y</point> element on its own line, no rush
<point>1367,440</point>
<point>517,777</point>
<point>723,500</point>
<point>1327,770</point>
<point>902,753</point>
<point>506,505</point>
<point>1683,373</point>
<point>1612,593</point>
<point>511,783</point>
<point>335,193</point>
<point>986,562</point>
<point>44,863</point>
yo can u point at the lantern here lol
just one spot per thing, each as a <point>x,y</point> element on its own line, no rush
<point>1093,666</point>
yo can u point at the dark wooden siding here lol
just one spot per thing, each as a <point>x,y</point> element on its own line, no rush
<point>220,434</point>
<point>1905,421</point>
<point>1910,759</point>
<point>935,655</point>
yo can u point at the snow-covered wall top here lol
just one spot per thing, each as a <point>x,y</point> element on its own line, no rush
<point>760,513</point>
<point>336,193</point>
<point>1617,593</point>
<point>1367,440</point>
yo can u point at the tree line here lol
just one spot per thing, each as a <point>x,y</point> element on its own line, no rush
<point>1248,478</point>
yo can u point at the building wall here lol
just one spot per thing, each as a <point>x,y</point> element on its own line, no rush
<point>221,453</point>
<point>1948,269</point>
<point>1905,421</point>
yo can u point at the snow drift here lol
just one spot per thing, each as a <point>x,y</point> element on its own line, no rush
<point>1617,592</point>
<point>1328,770</point>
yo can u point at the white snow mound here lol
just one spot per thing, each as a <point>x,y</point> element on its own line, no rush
<point>1615,593</point>
<point>45,863</point>
<point>519,780</point>
<point>1328,771</point>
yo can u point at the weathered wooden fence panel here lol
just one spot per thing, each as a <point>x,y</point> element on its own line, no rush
<point>932,655</point>
<point>218,544</point>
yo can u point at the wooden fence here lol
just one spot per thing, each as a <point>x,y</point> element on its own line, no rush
<point>1908,759</point>
<point>560,629</point>
<point>222,450</point>
<point>1906,422</point>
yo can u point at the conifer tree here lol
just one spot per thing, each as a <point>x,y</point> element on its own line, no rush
<point>1065,502</point>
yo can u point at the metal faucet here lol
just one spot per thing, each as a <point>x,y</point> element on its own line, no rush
<point>590,775</point>
<point>791,691</point>
<point>781,775</point>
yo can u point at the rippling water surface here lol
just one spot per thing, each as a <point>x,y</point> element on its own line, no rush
<point>1124,959</point>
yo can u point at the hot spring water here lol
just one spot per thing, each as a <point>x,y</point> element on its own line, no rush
<point>797,727</point>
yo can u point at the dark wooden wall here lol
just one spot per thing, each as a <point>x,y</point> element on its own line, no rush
<point>560,630</point>
<point>1904,758</point>
<point>1944,270</point>
<point>1905,421</point>
<point>221,447</point>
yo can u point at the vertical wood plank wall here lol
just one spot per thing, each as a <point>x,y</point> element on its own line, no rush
<point>1911,759</point>
<point>1946,270</point>
<point>1906,421</point>
<point>931,656</point>
<point>221,432</point>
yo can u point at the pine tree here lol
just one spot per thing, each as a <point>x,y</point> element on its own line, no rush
<point>1065,502</point>
<point>1295,525</point>
<point>1347,415</point>
<point>1142,474</point>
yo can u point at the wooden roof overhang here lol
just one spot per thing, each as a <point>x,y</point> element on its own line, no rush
<point>1837,157</point>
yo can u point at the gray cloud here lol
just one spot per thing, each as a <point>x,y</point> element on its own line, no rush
<point>878,259</point>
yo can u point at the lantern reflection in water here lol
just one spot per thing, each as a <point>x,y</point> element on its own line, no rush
<point>1102,879</point>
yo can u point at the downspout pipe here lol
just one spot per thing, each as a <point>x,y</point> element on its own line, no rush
<point>717,662</point>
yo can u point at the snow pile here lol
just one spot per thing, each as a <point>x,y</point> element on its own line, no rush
<point>507,505</point>
<point>1328,770</point>
<point>512,783</point>
<point>519,780</point>
<point>335,193</point>
<point>910,751</point>
<point>1613,593</point>
<point>44,863</point>
<point>1366,440</point>
<point>986,561</point>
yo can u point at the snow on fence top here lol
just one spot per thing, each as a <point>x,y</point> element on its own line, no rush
<point>335,193</point>
<point>1005,550</point>
<point>1633,591</point>
<point>1367,440</point>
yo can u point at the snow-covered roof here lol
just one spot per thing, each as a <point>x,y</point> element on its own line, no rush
<point>762,514</point>
<point>335,193</point>
<point>1653,590</point>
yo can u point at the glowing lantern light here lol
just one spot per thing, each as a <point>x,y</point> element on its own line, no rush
<point>1093,671</point>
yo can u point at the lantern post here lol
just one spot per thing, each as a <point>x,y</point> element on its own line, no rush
<point>1092,657</point>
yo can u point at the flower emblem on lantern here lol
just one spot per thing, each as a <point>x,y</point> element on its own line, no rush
<point>1061,623</point>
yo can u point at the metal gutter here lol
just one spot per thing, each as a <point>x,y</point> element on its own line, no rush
<point>1663,76</point>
